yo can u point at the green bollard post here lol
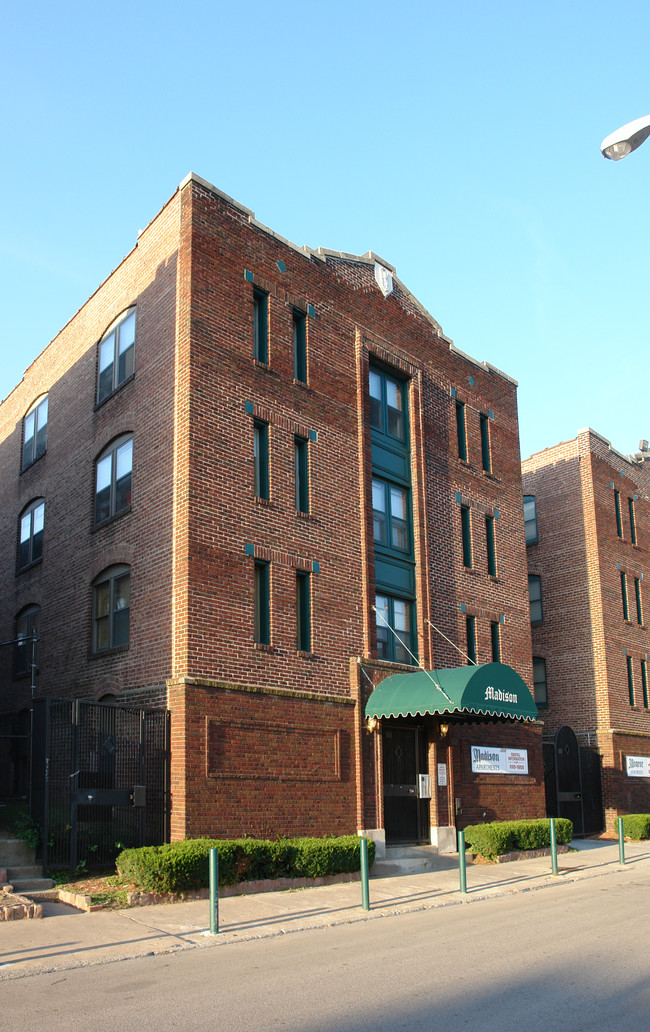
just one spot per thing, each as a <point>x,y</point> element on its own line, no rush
<point>621,842</point>
<point>214,892</point>
<point>462,863</point>
<point>365,890</point>
<point>553,846</point>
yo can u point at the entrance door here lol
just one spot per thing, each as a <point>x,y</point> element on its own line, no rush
<point>567,778</point>
<point>406,817</point>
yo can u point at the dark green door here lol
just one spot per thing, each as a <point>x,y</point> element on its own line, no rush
<point>406,817</point>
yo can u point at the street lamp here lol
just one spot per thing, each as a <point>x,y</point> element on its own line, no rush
<point>626,139</point>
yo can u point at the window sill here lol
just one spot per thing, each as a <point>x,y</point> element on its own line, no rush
<point>494,577</point>
<point>30,566</point>
<point>265,503</point>
<point>471,570</point>
<point>306,655</point>
<point>32,462</point>
<point>111,519</point>
<point>116,651</point>
<point>491,476</point>
<point>261,646</point>
<point>261,365</point>
<point>116,390</point>
<point>303,515</point>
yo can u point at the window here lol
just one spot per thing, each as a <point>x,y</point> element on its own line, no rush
<point>24,651</point>
<point>630,503</point>
<point>262,604</point>
<point>303,612</point>
<point>390,515</point>
<point>299,346</point>
<point>535,598</point>
<point>397,614</point>
<point>260,325</point>
<point>113,479</point>
<point>495,637</point>
<point>461,430</point>
<point>644,682</point>
<point>466,530</point>
<point>530,519</point>
<point>301,462</point>
<point>630,679</point>
<point>261,458</point>
<point>637,596</point>
<point>619,518</point>
<point>470,630</point>
<point>626,608</point>
<point>491,546</point>
<point>387,404</point>
<point>30,548</point>
<point>540,688</point>
<point>111,609</point>
<point>35,432</point>
<point>116,355</point>
<point>486,454</point>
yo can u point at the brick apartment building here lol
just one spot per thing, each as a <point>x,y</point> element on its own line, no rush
<point>588,539</point>
<point>248,482</point>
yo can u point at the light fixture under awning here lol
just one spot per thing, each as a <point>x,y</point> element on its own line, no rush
<point>492,689</point>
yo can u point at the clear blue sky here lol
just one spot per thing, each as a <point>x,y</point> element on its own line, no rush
<point>458,140</point>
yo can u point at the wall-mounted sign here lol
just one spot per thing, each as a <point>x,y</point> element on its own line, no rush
<point>637,766</point>
<point>488,760</point>
<point>442,773</point>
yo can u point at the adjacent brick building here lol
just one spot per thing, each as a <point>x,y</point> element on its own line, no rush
<point>588,532</point>
<point>248,481</point>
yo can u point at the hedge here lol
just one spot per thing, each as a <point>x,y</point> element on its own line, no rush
<point>182,866</point>
<point>490,840</point>
<point>636,826</point>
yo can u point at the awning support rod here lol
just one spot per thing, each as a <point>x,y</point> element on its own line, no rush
<point>453,644</point>
<point>414,658</point>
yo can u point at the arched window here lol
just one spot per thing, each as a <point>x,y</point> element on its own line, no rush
<point>113,479</point>
<point>111,607</point>
<point>25,649</point>
<point>30,544</point>
<point>35,432</point>
<point>116,355</point>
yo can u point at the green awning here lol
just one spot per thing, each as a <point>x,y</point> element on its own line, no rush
<point>493,689</point>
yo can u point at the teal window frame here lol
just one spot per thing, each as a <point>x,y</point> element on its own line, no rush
<point>388,647</point>
<point>461,430</point>
<point>617,510</point>
<point>301,466</point>
<point>299,320</point>
<point>384,417</point>
<point>395,526</point>
<point>630,679</point>
<point>303,611</point>
<point>540,683</point>
<point>637,597</point>
<point>530,519</point>
<point>261,459</point>
<point>535,598</point>
<point>260,325</point>
<point>262,581</point>
<point>644,682</point>
<point>491,547</point>
<point>470,632</point>
<point>624,597</point>
<point>466,534</point>
<point>630,503</point>
<point>495,640</point>
<point>486,450</point>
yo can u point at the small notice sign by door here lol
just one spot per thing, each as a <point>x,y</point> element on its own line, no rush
<point>442,774</point>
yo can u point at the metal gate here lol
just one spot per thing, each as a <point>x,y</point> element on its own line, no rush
<point>572,777</point>
<point>99,780</point>
<point>406,816</point>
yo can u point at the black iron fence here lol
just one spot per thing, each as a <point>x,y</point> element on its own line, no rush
<point>99,780</point>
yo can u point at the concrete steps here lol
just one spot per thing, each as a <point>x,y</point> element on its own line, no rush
<point>17,864</point>
<point>412,860</point>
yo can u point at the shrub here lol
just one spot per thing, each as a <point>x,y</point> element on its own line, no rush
<point>498,837</point>
<point>636,826</point>
<point>183,866</point>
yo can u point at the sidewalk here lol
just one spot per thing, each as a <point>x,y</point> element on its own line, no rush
<point>67,938</point>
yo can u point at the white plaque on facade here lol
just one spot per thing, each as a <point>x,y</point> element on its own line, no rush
<point>488,760</point>
<point>637,766</point>
<point>424,786</point>
<point>384,279</point>
<point>442,773</point>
